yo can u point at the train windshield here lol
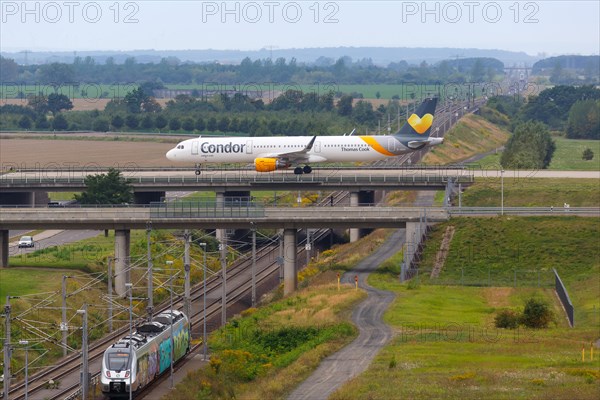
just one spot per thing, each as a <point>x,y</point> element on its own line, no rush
<point>117,360</point>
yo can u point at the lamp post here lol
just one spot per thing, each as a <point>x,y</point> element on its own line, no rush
<point>129,287</point>
<point>26,344</point>
<point>84,353</point>
<point>502,191</point>
<point>253,264</point>
<point>204,302</point>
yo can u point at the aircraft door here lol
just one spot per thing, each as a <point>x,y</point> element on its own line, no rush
<point>195,147</point>
<point>393,145</point>
<point>249,149</point>
<point>317,147</point>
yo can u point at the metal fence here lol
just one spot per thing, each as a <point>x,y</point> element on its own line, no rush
<point>563,295</point>
<point>209,209</point>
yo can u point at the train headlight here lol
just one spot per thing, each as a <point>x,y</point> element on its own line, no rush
<point>108,374</point>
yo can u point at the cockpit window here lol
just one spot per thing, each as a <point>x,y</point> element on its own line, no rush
<point>180,147</point>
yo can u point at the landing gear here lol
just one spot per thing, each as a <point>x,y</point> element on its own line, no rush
<point>198,170</point>
<point>302,170</point>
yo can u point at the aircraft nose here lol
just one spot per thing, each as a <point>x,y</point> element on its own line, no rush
<point>171,154</point>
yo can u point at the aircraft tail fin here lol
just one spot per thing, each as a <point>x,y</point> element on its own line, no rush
<point>418,125</point>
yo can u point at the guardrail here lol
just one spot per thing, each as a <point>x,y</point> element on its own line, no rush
<point>278,178</point>
<point>485,211</point>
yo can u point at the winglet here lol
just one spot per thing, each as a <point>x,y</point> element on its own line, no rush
<point>310,144</point>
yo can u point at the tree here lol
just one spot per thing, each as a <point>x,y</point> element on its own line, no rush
<point>223,124</point>
<point>9,70</point>
<point>200,125</point>
<point>132,121</point>
<point>188,124</point>
<point>587,154</point>
<point>345,105</point>
<point>174,124</point>
<point>101,125</point>
<point>25,122</point>
<point>60,123</point>
<point>135,99</point>
<point>211,125</point>
<point>42,122</point>
<point>537,314</point>
<point>160,122</point>
<point>530,147</point>
<point>147,122</point>
<point>478,71</point>
<point>57,74</point>
<point>584,120</point>
<point>117,122</point>
<point>39,103</point>
<point>109,188</point>
<point>58,102</point>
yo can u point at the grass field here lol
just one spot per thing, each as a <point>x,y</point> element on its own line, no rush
<point>567,156</point>
<point>531,192</point>
<point>25,281</point>
<point>472,135</point>
<point>491,249</point>
<point>446,345</point>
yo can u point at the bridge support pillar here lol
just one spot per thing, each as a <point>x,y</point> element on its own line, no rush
<point>220,203</point>
<point>290,269</point>
<point>122,273</point>
<point>361,198</point>
<point>354,232</point>
<point>4,248</point>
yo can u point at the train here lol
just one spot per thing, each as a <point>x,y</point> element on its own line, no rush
<point>135,361</point>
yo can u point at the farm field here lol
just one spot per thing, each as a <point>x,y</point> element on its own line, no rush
<point>42,153</point>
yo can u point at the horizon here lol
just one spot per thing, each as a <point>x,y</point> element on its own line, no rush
<point>528,27</point>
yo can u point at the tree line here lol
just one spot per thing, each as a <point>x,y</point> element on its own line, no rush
<point>172,71</point>
<point>292,113</point>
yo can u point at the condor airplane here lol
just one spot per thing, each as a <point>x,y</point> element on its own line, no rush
<point>273,153</point>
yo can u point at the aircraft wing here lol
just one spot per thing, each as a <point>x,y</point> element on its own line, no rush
<point>297,156</point>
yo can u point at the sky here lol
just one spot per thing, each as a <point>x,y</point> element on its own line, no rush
<point>548,27</point>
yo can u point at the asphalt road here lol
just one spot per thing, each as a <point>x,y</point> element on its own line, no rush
<point>353,359</point>
<point>51,238</point>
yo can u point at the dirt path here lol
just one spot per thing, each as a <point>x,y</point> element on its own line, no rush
<point>353,359</point>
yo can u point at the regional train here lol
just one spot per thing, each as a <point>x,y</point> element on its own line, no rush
<point>138,359</point>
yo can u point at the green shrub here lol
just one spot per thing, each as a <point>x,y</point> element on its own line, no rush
<point>508,319</point>
<point>537,314</point>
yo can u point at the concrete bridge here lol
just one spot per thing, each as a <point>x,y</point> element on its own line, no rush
<point>30,187</point>
<point>185,215</point>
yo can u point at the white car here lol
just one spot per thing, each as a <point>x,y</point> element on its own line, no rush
<point>26,241</point>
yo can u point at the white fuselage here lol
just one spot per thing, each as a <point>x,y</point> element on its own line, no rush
<point>325,149</point>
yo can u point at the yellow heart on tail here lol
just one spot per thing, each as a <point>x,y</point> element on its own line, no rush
<point>420,125</point>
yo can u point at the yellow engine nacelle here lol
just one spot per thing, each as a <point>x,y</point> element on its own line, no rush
<point>269,164</point>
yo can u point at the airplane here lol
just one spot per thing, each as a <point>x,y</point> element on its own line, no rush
<point>273,153</point>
